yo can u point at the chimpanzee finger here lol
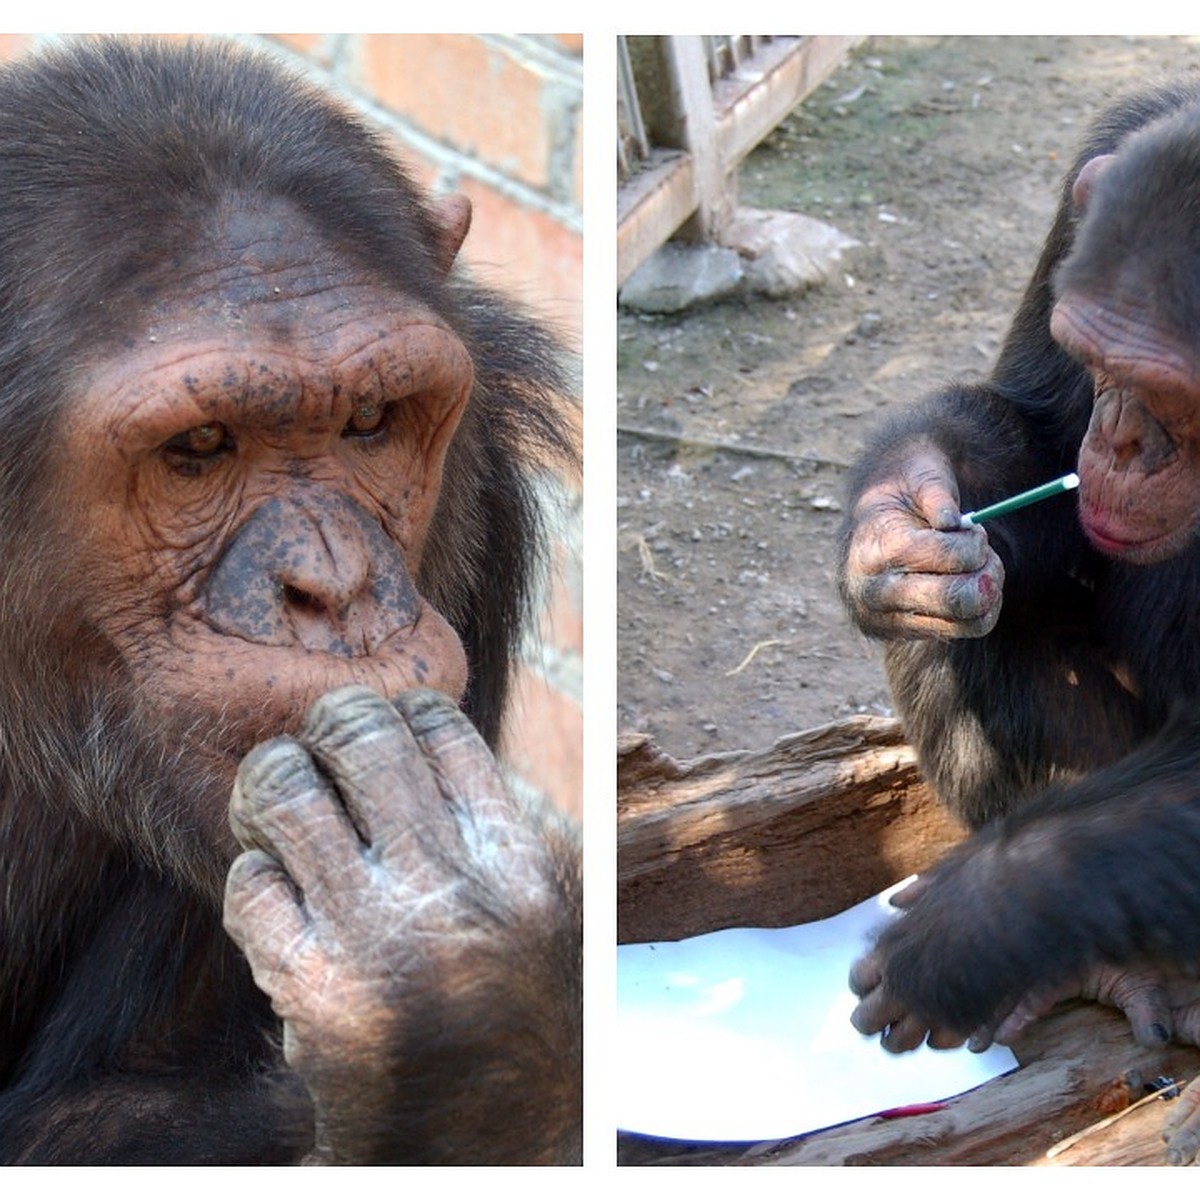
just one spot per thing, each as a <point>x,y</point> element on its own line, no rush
<point>262,904</point>
<point>939,506</point>
<point>945,1039</point>
<point>281,804</point>
<point>983,1039</point>
<point>1185,1023</point>
<point>1009,1026</point>
<point>909,625</point>
<point>893,542</point>
<point>910,893</point>
<point>467,774</point>
<point>958,602</point>
<point>876,1011</point>
<point>904,1034</point>
<point>1143,1001</point>
<point>866,974</point>
<point>934,490</point>
<point>389,789</point>
<point>925,485</point>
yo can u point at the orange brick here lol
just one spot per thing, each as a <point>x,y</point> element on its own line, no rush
<point>13,45</point>
<point>529,255</point>
<point>465,93</point>
<point>316,47</point>
<point>577,166</point>
<point>543,740</point>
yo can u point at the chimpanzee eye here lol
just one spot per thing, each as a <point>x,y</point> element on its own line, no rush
<point>201,441</point>
<point>367,418</point>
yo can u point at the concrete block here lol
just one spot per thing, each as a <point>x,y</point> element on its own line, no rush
<point>678,276</point>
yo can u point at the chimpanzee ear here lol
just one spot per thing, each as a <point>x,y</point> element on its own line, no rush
<point>1091,170</point>
<point>452,216</point>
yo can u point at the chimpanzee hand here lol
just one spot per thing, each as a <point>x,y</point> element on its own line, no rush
<point>909,570</point>
<point>883,1009</point>
<point>417,932</point>
<point>1159,1005</point>
<point>918,965</point>
<point>930,978</point>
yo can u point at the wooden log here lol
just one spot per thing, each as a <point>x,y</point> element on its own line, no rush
<point>1132,1137</point>
<point>816,823</point>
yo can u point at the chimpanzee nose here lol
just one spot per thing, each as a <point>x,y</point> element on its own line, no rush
<point>326,571</point>
<point>317,572</point>
<point>1135,437</point>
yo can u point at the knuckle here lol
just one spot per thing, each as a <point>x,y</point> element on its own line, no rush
<point>270,772</point>
<point>435,718</point>
<point>342,717</point>
<point>973,598</point>
<point>865,975</point>
<point>865,1018</point>
<point>903,1035</point>
<point>250,874</point>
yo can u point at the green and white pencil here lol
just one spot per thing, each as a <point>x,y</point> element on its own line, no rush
<point>1001,507</point>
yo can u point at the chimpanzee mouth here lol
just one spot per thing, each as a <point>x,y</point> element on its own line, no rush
<point>1141,551</point>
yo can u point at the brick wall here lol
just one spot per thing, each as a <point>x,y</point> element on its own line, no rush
<point>498,118</point>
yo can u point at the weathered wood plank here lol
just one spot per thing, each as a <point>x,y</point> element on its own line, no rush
<point>651,207</point>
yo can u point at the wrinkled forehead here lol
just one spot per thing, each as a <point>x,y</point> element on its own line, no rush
<point>249,252</point>
<point>264,274</point>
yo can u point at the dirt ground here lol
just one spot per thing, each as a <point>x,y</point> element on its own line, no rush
<point>943,157</point>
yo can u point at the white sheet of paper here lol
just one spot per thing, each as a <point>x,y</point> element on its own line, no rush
<point>745,1035</point>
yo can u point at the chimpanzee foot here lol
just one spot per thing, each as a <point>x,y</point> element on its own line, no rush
<point>1181,1131</point>
<point>1145,996</point>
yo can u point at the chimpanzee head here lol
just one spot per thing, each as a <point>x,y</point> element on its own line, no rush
<point>1128,307</point>
<point>255,446</point>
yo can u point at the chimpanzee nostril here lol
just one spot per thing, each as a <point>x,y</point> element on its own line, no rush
<point>295,597</point>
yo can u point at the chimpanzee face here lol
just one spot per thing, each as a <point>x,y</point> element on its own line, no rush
<point>253,477</point>
<point>1127,308</point>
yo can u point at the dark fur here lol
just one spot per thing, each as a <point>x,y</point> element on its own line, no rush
<point>130,1029</point>
<point>1101,781</point>
<point>1095,871</point>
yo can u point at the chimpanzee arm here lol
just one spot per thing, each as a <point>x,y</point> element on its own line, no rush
<point>997,703</point>
<point>1088,874</point>
<point>183,1116</point>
